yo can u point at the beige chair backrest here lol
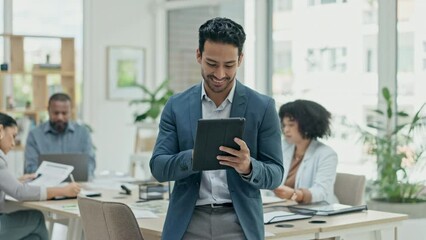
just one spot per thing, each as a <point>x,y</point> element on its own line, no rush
<point>349,188</point>
<point>108,220</point>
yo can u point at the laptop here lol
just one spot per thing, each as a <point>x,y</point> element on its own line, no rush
<point>79,161</point>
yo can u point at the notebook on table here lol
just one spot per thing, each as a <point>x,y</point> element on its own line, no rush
<point>325,209</point>
<point>282,216</point>
<point>79,161</point>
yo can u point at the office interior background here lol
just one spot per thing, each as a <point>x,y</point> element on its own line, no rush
<point>322,50</point>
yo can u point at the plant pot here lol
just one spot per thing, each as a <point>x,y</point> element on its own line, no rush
<point>413,210</point>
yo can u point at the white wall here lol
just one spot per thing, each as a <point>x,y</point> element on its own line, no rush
<point>113,23</point>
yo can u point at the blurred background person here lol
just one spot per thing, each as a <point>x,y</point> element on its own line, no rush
<point>26,224</point>
<point>309,165</point>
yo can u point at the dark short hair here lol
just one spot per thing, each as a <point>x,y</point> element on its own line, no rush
<point>7,121</point>
<point>222,30</point>
<point>313,119</point>
<point>63,97</point>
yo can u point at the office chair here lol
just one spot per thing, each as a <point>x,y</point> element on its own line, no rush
<point>349,188</point>
<point>108,220</point>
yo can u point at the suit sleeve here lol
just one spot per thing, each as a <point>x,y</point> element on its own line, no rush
<point>267,169</point>
<point>168,162</point>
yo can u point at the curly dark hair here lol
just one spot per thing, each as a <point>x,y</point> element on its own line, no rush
<point>222,30</point>
<point>313,119</point>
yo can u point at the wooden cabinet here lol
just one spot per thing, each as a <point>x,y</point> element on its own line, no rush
<point>38,72</point>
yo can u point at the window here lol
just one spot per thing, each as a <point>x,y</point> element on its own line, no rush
<point>369,11</point>
<point>283,5</point>
<point>424,56</point>
<point>318,2</point>
<point>326,59</point>
<point>183,24</point>
<point>331,62</point>
<point>2,18</point>
<point>405,52</point>
<point>327,1</point>
<point>283,70</point>
<point>411,53</point>
<point>370,53</point>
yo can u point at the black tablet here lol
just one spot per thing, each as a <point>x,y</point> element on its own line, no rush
<point>211,134</point>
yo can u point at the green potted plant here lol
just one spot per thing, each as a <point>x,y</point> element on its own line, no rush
<point>397,154</point>
<point>153,103</point>
<point>154,100</point>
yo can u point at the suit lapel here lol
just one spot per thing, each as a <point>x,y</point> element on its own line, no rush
<point>239,103</point>
<point>195,109</point>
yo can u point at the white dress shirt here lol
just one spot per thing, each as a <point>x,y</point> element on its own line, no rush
<point>214,183</point>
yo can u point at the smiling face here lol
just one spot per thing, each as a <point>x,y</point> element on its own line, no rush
<point>290,128</point>
<point>7,138</point>
<point>219,64</point>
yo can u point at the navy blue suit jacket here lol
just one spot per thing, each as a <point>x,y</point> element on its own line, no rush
<point>172,156</point>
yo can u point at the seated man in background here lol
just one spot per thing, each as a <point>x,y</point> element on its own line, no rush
<point>58,135</point>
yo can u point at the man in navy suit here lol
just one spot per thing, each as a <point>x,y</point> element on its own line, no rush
<point>218,204</point>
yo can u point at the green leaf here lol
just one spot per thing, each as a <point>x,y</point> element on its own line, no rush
<point>378,111</point>
<point>386,94</point>
<point>155,100</point>
<point>402,114</point>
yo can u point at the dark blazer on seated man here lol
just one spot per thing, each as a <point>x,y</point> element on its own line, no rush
<point>172,158</point>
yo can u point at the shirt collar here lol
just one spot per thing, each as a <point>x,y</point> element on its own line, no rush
<point>48,128</point>
<point>229,97</point>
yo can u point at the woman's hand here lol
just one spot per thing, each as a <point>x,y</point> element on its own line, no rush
<point>71,190</point>
<point>27,177</point>
<point>284,192</point>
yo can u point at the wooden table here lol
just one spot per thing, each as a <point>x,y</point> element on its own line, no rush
<point>334,226</point>
<point>358,222</point>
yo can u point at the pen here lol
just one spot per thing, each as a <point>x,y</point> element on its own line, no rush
<point>72,178</point>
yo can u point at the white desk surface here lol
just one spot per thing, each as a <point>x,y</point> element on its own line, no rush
<point>302,229</point>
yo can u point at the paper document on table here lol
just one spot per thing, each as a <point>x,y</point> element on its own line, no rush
<point>155,206</point>
<point>143,213</point>
<point>271,199</point>
<point>269,196</point>
<point>51,174</point>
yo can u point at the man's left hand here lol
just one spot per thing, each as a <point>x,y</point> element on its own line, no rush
<point>240,159</point>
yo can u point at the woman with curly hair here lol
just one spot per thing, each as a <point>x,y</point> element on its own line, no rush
<point>309,165</point>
